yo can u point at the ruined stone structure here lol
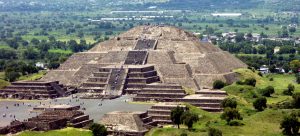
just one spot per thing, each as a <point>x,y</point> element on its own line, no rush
<point>126,123</point>
<point>55,117</point>
<point>33,90</point>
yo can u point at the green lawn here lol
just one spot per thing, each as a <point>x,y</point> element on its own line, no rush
<point>62,132</point>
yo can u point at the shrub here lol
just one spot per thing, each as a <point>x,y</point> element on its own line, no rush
<point>183,134</point>
<point>235,123</point>
<point>189,119</point>
<point>260,103</point>
<point>289,90</point>
<point>267,91</point>
<point>98,130</point>
<point>271,79</point>
<point>239,82</point>
<point>230,114</point>
<point>214,132</point>
<point>290,125</point>
<point>229,102</point>
<point>250,81</point>
<point>296,100</point>
<point>218,84</point>
<point>298,78</point>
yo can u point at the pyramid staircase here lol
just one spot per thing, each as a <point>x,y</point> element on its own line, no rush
<point>107,82</point>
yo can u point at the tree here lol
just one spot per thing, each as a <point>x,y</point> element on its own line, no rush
<point>290,125</point>
<point>292,29</point>
<point>11,76</point>
<point>296,100</point>
<point>53,65</point>
<point>176,114</point>
<point>98,130</point>
<point>295,65</point>
<point>30,53</point>
<point>260,103</point>
<point>8,53</point>
<point>218,84</point>
<point>272,68</point>
<point>214,132</point>
<point>34,41</point>
<point>189,119</point>
<point>230,114</point>
<point>239,37</point>
<point>229,102</point>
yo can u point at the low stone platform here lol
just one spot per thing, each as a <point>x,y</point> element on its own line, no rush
<point>53,117</point>
<point>161,112</point>
<point>33,90</point>
<point>126,123</point>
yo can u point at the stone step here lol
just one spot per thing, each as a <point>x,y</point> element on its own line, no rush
<point>97,79</point>
<point>168,86</point>
<point>163,121</point>
<point>159,111</point>
<point>158,99</point>
<point>143,69</point>
<point>146,80</point>
<point>106,70</point>
<point>211,92</point>
<point>163,95</point>
<point>210,109</point>
<point>101,74</point>
<point>79,119</point>
<point>82,123</point>
<point>29,87</point>
<point>135,85</point>
<point>93,84</point>
<point>163,108</point>
<point>27,91</point>
<point>147,119</point>
<point>142,74</point>
<point>94,89</point>
<point>152,123</point>
<point>202,100</point>
<point>212,105</point>
<point>153,90</point>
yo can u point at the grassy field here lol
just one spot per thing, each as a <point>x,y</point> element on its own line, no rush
<point>60,51</point>
<point>265,123</point>
<point>63,132</point>
<point>3,83</point>
<point>32,76</point>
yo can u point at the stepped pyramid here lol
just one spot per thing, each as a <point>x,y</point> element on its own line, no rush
<point>176,57</point>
